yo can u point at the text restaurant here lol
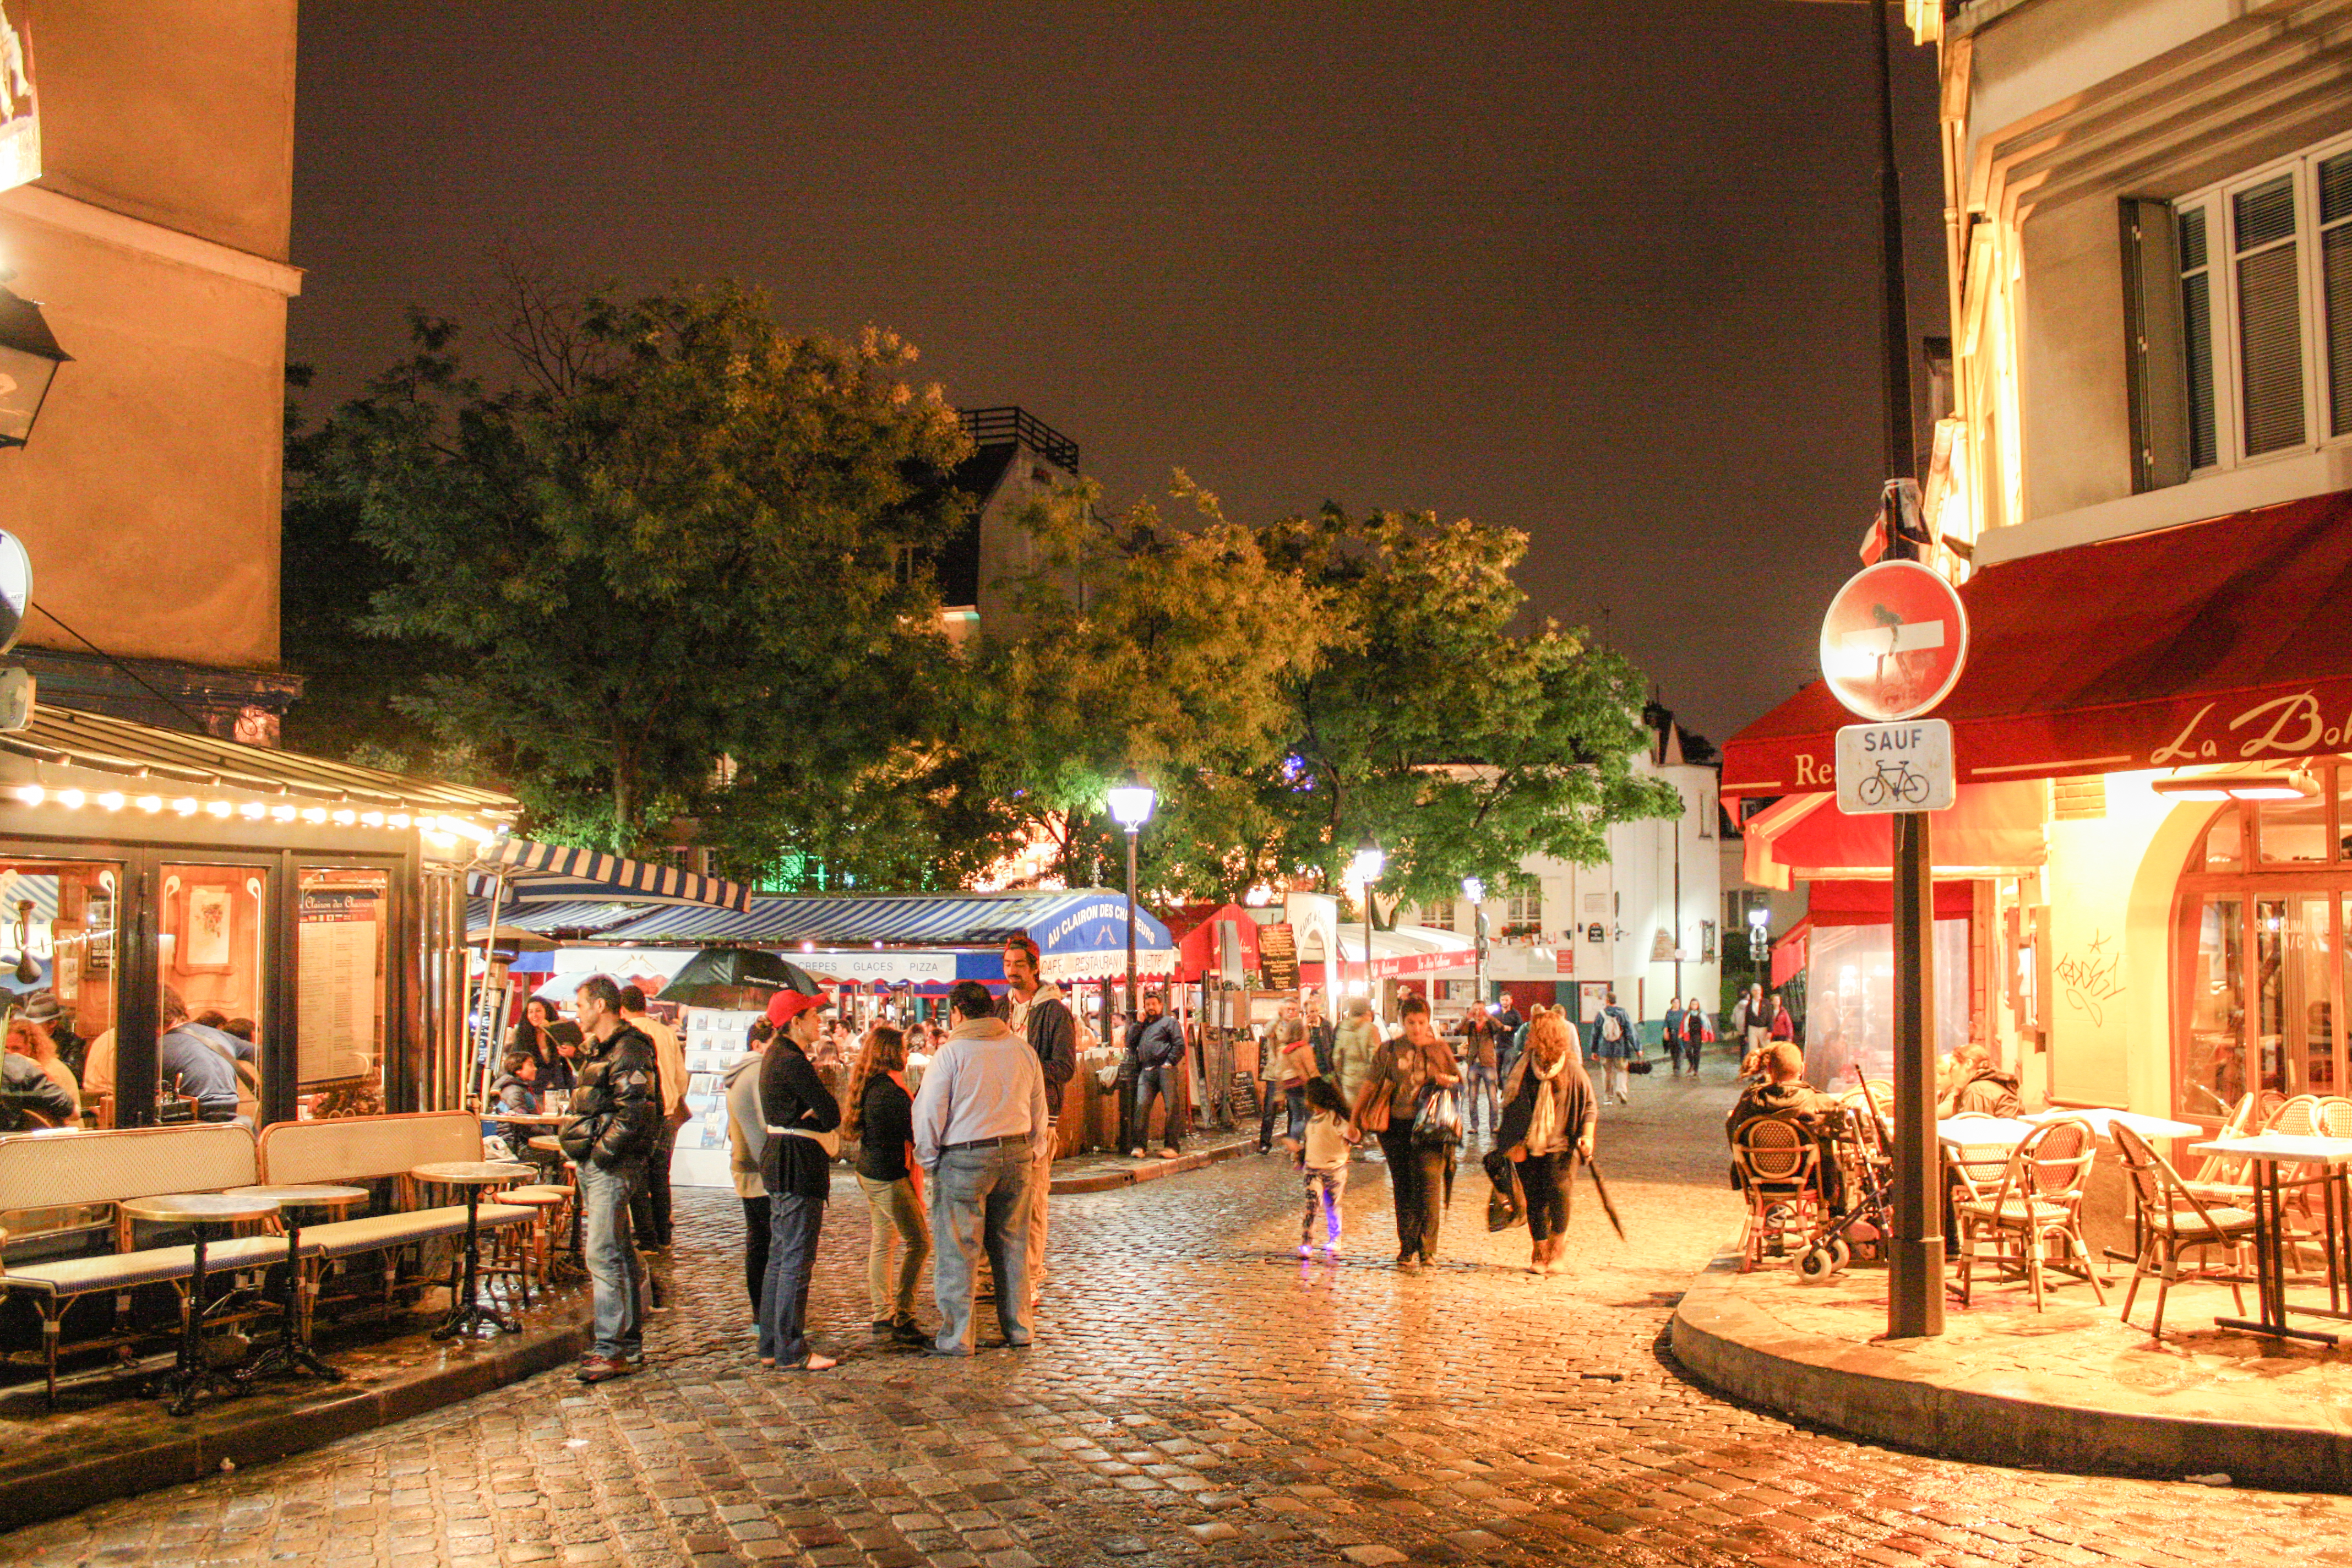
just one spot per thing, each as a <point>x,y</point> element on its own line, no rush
<point>314,908</point>
<point>2145,886</point>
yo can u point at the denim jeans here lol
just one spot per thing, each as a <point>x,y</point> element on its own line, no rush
<point>979,1203</point>
<point>1159,1083</point>
<point>1132,1125</point>
<point>793,1223</point>
<point>1478,1083</point>
<point>891,1209</point>
<point>615,1277</point>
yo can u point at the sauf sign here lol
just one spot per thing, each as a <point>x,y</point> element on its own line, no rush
<point>1903,766</point>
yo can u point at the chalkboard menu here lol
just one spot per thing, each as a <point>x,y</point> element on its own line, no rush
<point>1277,956</point>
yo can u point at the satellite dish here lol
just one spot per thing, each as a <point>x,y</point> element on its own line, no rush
<point>15,588</point>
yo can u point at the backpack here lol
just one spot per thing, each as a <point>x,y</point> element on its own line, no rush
<point>1611,1029</point>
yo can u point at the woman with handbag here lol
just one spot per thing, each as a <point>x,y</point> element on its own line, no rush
<point>1549,1117</point>
<point>804,1122</point>
<point>1409,1075</point>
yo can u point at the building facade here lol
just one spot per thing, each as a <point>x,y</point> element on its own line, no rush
<point>155,241</point>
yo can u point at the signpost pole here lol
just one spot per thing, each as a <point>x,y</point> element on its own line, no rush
<point>1915,1300</point>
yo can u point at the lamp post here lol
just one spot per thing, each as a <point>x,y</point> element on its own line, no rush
<point>1131,806</point>
<point>1370,861</point>
<point>1475,891</point>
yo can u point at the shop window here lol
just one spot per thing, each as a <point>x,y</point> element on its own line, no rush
<point>210,963</point>
<point>2292,833</point>
<point>2225,841</point>
<point>341,990</point>
<point>57,946</point>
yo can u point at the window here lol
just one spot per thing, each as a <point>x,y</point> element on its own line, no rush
<point>2252,358</point>
<point>1522,908</point>
<point>57,929</point>
<point>340,990</point>
<point>1438,913</point>
<point>2261,921</point>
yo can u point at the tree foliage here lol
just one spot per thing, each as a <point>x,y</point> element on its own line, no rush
<point>673,534</point>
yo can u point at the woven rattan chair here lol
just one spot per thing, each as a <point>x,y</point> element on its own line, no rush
<point>1779,1170</point>
<point>2336,1116</point>
<point>2038,1204</point>
<point>2173,1220</point>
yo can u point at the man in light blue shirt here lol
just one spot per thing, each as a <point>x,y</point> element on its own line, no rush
<point>981,1108</point>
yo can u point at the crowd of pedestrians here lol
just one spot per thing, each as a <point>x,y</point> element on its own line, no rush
<point>956,1168</point>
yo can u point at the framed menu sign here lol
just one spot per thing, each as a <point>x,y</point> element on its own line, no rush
<point>1277,956</point>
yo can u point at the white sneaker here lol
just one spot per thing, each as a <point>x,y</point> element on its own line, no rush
<point>1305,1250</point>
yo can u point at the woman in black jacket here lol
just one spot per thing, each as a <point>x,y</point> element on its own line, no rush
<point>540,1033</point>
<point>804,1122</point>
<point>881,1117</point>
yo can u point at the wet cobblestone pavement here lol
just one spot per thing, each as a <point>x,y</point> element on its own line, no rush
<point>1197,1396</point>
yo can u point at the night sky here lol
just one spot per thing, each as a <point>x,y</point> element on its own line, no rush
<point>1605,272</point>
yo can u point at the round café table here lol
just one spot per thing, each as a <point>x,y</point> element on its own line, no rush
<point>467,1313</point>
<point>201,1212</point>
<point>292,1352</point>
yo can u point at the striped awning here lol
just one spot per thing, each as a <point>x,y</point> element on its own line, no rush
<point>1068,921</point>
<point>553,873</point>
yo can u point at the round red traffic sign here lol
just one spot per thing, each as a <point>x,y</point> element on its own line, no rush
<point>1894,641</point>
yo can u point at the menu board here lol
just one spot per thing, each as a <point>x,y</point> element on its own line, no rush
<point>1277,956</point>
<point>713,1040</point>
<point>335,983</point>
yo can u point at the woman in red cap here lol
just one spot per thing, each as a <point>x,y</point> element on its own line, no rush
<point>804,1122</point>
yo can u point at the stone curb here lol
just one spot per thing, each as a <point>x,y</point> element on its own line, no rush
<point>1151,1169</point>
<point>1735,1349</point>
<point>60,1489</point>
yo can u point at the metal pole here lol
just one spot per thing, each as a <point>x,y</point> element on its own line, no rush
<point>1130,925</point>
<point>1915,1301</point>
<point>489,943</point>
<point>1894,320</point>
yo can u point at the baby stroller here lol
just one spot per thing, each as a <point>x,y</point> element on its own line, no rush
<point>1869,1176</point>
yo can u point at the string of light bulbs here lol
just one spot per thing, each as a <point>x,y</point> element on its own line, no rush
<point>187,805</point>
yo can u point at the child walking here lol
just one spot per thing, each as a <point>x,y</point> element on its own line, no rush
<point>1323,1164</point>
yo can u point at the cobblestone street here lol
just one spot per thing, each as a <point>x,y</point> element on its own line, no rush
<point>1198,1395</point>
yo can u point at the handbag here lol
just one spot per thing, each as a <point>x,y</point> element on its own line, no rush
<point>1638,1065</point>
<point>1376,1115</point>
<point>1436,1121</point>
<point>1507,1205</point>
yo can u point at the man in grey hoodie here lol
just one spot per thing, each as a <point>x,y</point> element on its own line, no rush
<point>747,1141</point>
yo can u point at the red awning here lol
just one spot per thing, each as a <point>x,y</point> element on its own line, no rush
<point>1992,830</point>
<point>1844,902</point>
<point>2222,641</point>
<point>1201,939</point>
<point>1789,952</point>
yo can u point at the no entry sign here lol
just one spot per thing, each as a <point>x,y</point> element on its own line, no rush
<point>1893,641</point>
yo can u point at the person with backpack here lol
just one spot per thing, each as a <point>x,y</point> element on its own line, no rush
<point>1407,1075</point>
<point>1614,1044</point>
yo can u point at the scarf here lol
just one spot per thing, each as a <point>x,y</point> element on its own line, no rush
<point>1543,1120</point>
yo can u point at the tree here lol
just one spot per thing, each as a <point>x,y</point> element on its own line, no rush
<point>663,568</point>
<point>1145,648</point>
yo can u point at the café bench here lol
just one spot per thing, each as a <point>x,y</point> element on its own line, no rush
<point>357,1151</point>
<point>69,1168</point>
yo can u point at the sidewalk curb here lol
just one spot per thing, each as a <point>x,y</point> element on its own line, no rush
<point>1731,1347</point>
<point>1149,1170</point>
<point>60,1489</point>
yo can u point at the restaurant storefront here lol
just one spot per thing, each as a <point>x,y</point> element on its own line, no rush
<point>2176,707</point>
<point>316,906</point>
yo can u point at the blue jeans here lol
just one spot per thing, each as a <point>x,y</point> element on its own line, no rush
<point>616,1278</point>
<point>1478,1082</point>
<point>979,1205</point>
<point>1159,1083</point>
<point>793,1223</point>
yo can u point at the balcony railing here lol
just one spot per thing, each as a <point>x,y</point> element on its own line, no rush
<point>996,426</point>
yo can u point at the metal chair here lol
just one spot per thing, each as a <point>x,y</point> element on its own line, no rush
<point>2173,1220</point>
<point>2039,1202</point>
<point>1779,1165</point>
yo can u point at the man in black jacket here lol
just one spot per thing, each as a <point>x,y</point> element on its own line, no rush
<point>613,1118</point>
<point>1036,1010</point>
<point>1156,1044</point>
<point>31,1098</point>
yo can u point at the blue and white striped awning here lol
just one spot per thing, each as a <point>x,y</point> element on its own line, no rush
<point>551,873</point>
<point>1082,920</point>
<point>583,915</point>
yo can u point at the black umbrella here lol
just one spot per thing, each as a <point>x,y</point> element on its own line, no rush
<point>741,978</point>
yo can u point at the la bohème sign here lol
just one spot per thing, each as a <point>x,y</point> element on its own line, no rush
<point>1892,646</point>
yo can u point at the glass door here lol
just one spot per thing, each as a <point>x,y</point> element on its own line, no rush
<point>58,974</point>
<point>212,956</point>
<point>2216,1007</point>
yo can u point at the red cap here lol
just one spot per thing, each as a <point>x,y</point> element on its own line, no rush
<point>786,1006</point>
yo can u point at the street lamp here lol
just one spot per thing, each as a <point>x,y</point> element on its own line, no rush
<point>1131,808</point>
<point>1370,861</point>
<point>1475,891</point>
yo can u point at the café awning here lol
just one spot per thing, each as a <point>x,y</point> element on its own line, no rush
<point>2218,642</point>
<point>1992,830</point>
<point>555,873</point>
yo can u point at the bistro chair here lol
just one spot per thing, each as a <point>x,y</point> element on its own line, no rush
<point>2175,1220</point>
<point>2267,1102</point>
<point>2336,1116</point>
<point>2037,1204</point>
<point>1779,1167</point>
<point>2222,1179</point>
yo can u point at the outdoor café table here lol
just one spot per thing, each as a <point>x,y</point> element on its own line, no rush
<point>467,1313</point>
<point>199,1211</point>
<point>2268,1152</point>
<point>2101,1118</point>
<point>292,1350</point>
